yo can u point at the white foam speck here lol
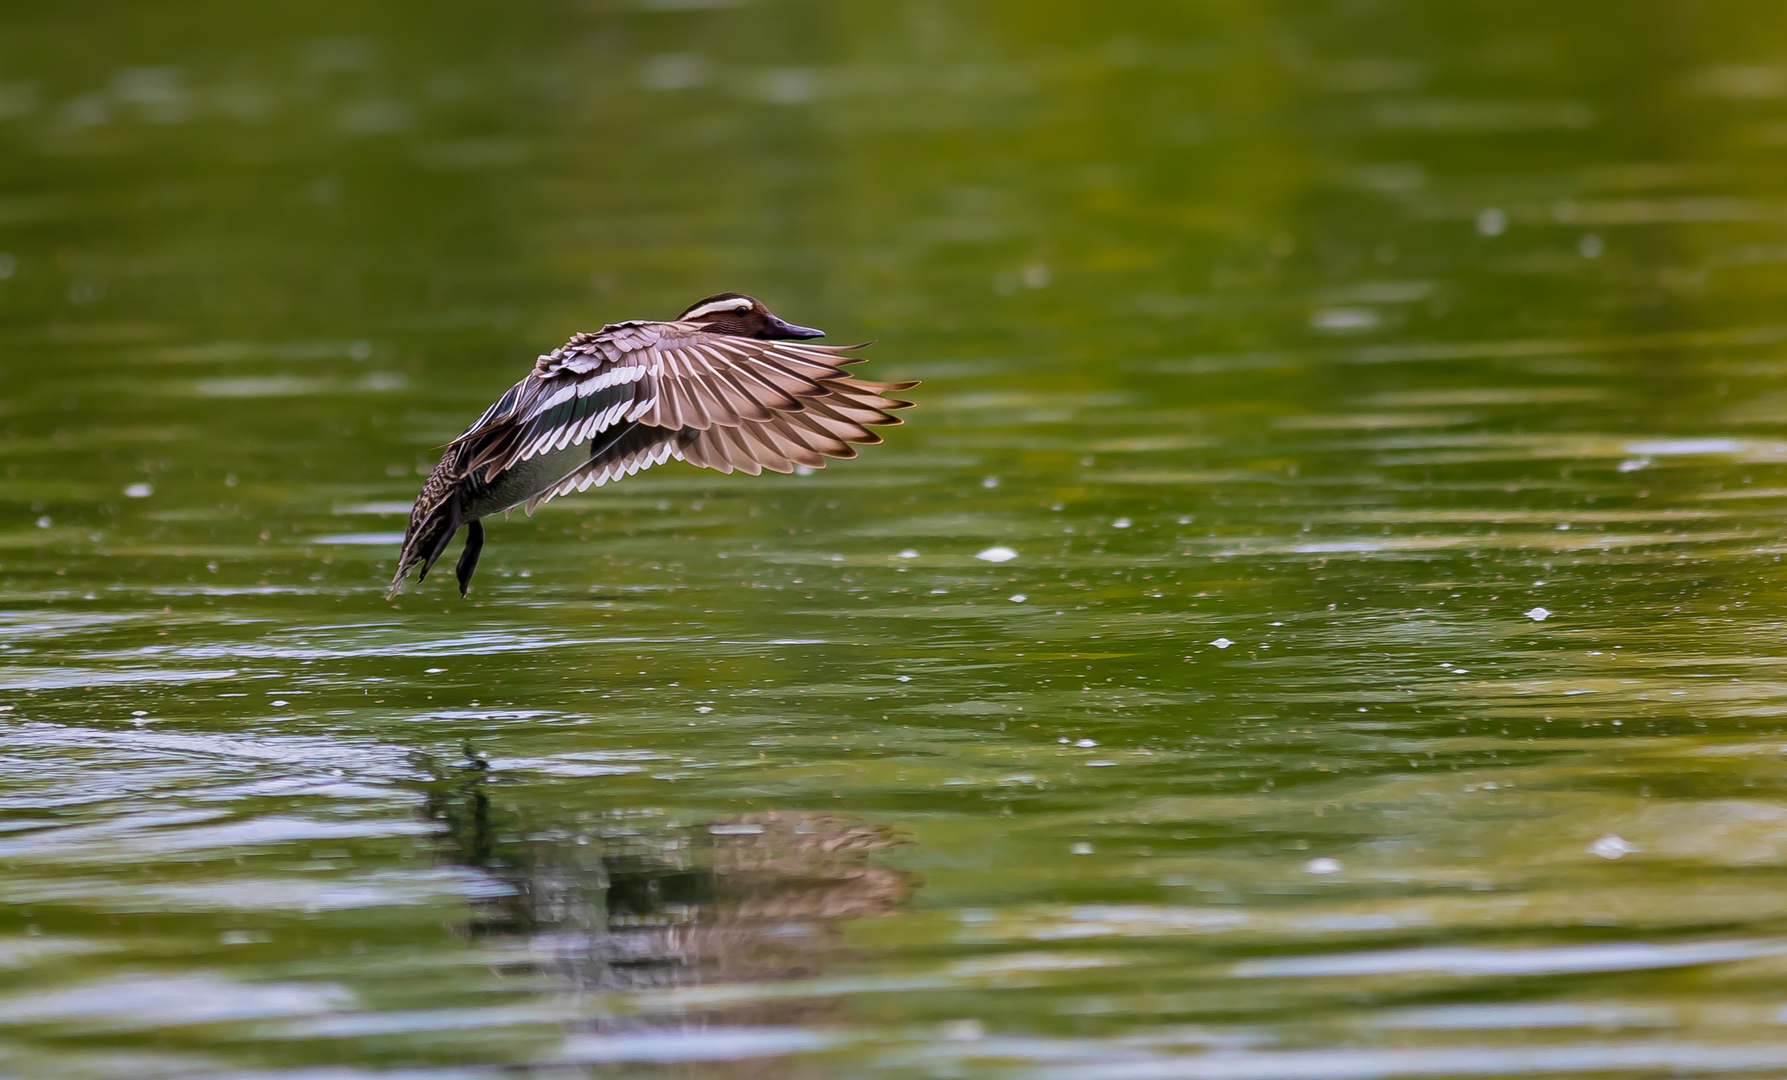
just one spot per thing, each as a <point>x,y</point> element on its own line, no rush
<point>371,539</point>
<point>1537,614</point>
<point>1611,847</point>
<point>964,1031</point>
<point>997,554</point>
<point>1685,446</point>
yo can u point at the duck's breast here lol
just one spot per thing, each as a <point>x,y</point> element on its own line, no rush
<point>523,482</point>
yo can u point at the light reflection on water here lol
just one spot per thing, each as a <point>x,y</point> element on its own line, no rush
<point>1381,406</point>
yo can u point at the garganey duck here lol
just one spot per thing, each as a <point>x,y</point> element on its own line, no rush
<point>726,385</point>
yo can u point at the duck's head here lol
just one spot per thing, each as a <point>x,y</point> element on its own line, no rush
<point>742,316</point>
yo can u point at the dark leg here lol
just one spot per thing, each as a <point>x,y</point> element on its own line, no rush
<point>468,559</point>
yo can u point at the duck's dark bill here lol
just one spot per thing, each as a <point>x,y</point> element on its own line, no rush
<point>781,328</point>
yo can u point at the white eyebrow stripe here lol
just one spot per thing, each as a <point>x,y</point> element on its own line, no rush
<point>737,303</point>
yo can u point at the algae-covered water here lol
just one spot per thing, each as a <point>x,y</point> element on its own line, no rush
<point>1382,403</point>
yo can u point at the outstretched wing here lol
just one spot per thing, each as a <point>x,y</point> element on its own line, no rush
<point>641,393</point>
<point>823,425</point>
<point>820,427</point>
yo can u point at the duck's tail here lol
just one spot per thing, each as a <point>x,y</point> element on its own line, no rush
<point>433,521</point>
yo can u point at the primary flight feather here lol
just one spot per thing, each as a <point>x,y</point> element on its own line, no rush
<point>725,385</point>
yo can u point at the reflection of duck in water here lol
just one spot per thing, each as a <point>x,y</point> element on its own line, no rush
<point>752,898</point>
<point>726,385</point>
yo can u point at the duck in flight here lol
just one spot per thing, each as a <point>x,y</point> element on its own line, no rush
<point>725,385</point>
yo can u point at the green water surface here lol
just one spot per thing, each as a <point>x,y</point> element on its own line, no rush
<point>1381,403</point>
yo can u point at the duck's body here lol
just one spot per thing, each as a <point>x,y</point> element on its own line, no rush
<point>726,385</point>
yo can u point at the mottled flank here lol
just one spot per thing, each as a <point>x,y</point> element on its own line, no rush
<point>726,386</point>
<point>434,518</point>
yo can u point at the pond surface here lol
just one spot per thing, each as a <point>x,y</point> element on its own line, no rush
<point>1382,401</point>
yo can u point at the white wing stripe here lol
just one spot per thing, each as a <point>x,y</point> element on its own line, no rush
<point>603,420</point>
<point>559,397</point>
<point>577,431</point>
<point>585,388</point>
<point>574,433</point>
<point>635,462</point>
<point>612,377</point>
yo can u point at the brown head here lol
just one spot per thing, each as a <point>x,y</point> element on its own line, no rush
<point>742,316</point>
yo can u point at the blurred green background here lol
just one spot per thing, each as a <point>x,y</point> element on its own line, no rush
<point>1381,402</point>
